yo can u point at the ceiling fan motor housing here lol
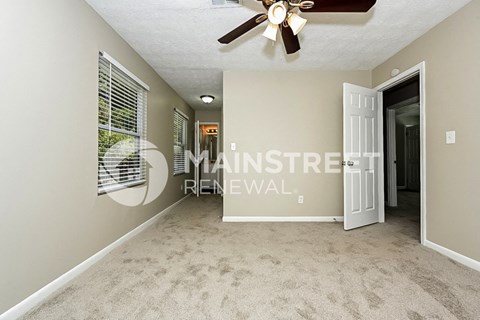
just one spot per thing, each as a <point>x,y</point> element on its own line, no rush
<point>290,5</point>
<point>268,3</point>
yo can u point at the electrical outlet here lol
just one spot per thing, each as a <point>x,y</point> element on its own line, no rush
<point>233,146</point>
<point>300,199</point>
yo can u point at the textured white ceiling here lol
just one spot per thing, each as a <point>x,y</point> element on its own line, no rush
<point>178,38</point>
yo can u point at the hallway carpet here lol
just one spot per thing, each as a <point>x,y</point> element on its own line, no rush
<point>190,265</point>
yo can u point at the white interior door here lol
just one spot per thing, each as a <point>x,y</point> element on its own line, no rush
<point>197,157</point>
<point>360,151</point>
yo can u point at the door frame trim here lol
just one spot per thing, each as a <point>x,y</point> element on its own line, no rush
<point>420,70</point>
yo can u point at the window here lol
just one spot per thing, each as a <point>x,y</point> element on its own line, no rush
<point>122,104</point>
<point>180,122</point>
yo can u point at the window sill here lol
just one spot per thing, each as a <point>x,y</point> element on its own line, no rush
<point>120,186</point>
<point>179,174</point>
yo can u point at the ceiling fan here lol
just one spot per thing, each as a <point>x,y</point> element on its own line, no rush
<point>281,16</point>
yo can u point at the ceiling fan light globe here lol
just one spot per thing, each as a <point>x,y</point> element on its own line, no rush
<point>277,13</point>
<point>271,32</point>
<point>296,23</point>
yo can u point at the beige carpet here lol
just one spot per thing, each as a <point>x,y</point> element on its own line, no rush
<point>190,265</point>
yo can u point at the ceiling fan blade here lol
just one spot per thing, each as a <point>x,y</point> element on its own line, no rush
<point>341,6</point>
<point>244,28</point>
<point>290,40</point>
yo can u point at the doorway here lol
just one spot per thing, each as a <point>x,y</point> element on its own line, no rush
<point>402,148</point>
<point>404,145</point>
<point>209,144</point>
<point>401,130</point>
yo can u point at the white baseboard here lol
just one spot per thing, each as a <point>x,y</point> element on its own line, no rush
<point>39,296</point>
<point>282,219</point>
<point>469,262</point>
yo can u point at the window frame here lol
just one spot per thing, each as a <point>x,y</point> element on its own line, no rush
<point>116,71</point>
<point>184,144</point>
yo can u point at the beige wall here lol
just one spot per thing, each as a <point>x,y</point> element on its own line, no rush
<point>208,116</point>
<point>51,216</point>
<point>451,52</point>
<point>289,112</point>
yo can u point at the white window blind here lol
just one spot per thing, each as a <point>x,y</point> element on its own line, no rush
<point>179,141</point>
<point>122,105</point>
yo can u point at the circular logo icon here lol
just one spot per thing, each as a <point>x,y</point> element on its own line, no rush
<point>129,162</point>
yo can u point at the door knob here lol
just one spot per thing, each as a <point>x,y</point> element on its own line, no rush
<point>348,163</point>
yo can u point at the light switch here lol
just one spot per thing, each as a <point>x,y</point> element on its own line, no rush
<point>450,137</point>
<point>233,146</point>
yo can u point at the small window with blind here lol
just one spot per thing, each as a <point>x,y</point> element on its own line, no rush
<point>180,122</point>
<point>122,105</point>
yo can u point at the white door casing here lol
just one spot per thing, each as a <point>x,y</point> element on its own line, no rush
<point>197,157</point>
<point>420,70</point>
<point>360,151</point>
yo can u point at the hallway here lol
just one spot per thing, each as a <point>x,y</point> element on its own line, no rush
<point>407,213</point>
